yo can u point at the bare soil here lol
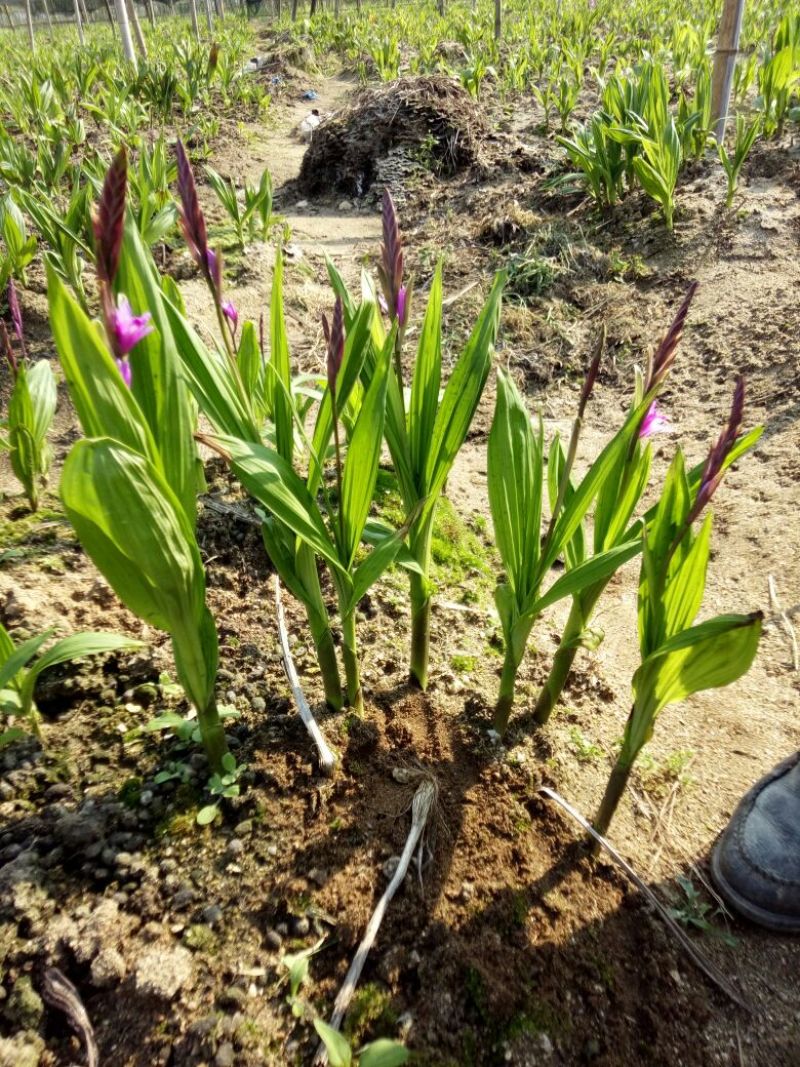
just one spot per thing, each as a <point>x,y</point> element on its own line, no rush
<point>511,946</point>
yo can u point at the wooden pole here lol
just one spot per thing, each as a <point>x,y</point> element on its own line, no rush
<point>137,29</point>
<point>125,31</point>
<point>151,14</point>
<point>209,17</point>
<point>193,13</point>
<point>498,19</point>
<point>29,17</point>
<point>84,12</point>
<point>47,15</point>
<point>8,16</point>
<point>109,13</point>
<point>724,64</point>
<point>79,23</point>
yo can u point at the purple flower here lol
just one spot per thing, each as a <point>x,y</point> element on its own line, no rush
<point>715,464</point>
<point>655,421</point>
<point>128,329</point>
<point>334,338</point>
<point>214,264</point>
<point>231,314</point>
<point>125,370</point>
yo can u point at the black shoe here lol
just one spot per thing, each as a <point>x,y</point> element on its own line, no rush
<point>756,862</point>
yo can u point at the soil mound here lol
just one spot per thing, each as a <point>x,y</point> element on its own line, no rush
<point>432,118</point>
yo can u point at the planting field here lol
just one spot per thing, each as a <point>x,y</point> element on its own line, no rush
<point>392,362</point>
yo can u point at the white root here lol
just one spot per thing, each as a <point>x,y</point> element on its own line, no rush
<point>327,760</point>
<point>421,808</point>
<point>786,623</point>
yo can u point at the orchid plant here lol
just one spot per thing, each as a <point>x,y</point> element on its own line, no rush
<point>138,457</point>
<point>31,408</point>
<point>678,656</point>
<point>426,425</point>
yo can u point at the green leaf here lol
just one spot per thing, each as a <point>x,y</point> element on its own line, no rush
<point>269,479</point>
<point>338,1048</point>
<point>42,389</point>
<point>206,815</point>
<point>76,646</point>
<point>209,375</point>
<point>20,657</point>
<point>707,656</point>
<point>132,526</point>
<point>514,464</point>
<point>156,378</point>
<point>248,358</point>
<point>461,396</point>
<point>280,399</point>
<point>424,401</point>
<point>104,405</point>
<point>683,593</point>
<point>383,1053</point>
<point>369,571</point>
<point>361,465</point>
<point>597,569</point>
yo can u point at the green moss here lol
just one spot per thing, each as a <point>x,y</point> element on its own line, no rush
<point>200,938</point>
<point>130,792</point>
<point>371,1015</point>
<point>463,664</point>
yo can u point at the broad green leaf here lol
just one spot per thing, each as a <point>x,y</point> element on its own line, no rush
<point>515,487</point>
<point>338,1048</point>
<point>70,648</point>
<point>133,528</point>
<point>355,350</point>
<point>383,1053</point>
<point>269,479</point>
<point>157,380</point>
<point>248,357</point>
<point>20,658</point>
<point>42,389</point>
<point>597,569</point>
<point>104,404</point>
<point>211,380</point>
<point>363,455</point>
<point>461,397</point>
<point>684,591</point>
<point>707,656</point>
<point>369,570</point>
<point>427,378</point>
<point>279,400</point>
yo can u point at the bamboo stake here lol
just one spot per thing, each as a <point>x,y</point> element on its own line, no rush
<point>421,808</point>
<point>327,760</point>
<point>79,23</point>
<point>29,18</point>
<point>498,19</point>
<point>137,29</point>
<point>151,14</point>
<point>195,25</point>
<point>125,31</point>
<point>8,16</point>
<point>725,63</point>
<point>209,17</point>
<point>84,12</point>
<point>47,15</point>
<point>705,965</point>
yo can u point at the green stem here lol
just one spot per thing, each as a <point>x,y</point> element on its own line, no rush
<point>213,735</point>
<point>505,699</point>
<point>611,798</point>
<point>421,604</point>
<point>580,612</point>
<point>320,626</point>
<point>350,656</point>
<point>198,678</point>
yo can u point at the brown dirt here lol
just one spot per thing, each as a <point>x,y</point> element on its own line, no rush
<point>514,948</point>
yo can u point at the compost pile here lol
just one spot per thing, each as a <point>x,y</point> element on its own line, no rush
<point>432,119</point>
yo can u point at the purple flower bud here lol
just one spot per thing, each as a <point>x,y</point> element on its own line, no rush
<point>109,222</point>
<point>714,468</point>
<point>128,329</point>
<point>664,356</point>
<point>654,422</point>
<point>125,370</point>
<point>16,314</point>
<point>230,313</point>
<point>334,337</point>
<point>390,268</point>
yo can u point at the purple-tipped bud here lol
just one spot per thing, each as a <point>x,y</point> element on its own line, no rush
<point>231,314</point>
<point>125,371</point>
<point>654,422</point>
<point>128,329</point>
<point>402,305</point>
<point>9,351</point>
<point>664,356</point>
<point>16,314</point>
<point>214,269</point>
<point>390,268</point>
<point>714,468</point>
<point>192,220</point>
<point>334,338</point>
<point>109,220</point>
